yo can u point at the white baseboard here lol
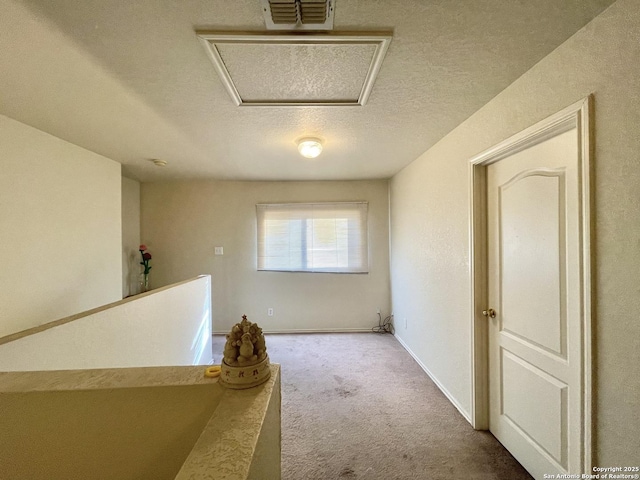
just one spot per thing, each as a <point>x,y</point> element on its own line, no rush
<point>311,330</point>
<point>446,392</point>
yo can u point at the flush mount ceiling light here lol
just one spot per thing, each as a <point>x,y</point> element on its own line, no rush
<point>310,147</point>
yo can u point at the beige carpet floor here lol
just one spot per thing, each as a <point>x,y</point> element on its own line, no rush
<point>357,406</point>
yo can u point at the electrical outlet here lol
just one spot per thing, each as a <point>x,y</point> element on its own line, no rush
<point>270,312</point>
<point>218,251</point>
<point>378,311</point>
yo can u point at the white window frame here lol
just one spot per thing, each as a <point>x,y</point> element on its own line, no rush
<point>292,245</point>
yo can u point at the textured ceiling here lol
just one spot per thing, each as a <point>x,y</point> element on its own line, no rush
<point>298,72</point>
<point>131,81</point>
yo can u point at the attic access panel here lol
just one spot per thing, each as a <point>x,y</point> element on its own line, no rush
<point>297,70</point>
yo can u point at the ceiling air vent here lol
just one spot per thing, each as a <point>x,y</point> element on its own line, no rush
<point>298,14</point>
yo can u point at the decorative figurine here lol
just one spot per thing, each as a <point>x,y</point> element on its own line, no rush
<point>246,351</point>
<point>245,361</point>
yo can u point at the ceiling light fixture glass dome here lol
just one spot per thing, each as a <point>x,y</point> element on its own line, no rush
<point>310,147</point>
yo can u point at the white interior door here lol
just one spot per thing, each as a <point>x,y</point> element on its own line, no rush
<point>535,287</point>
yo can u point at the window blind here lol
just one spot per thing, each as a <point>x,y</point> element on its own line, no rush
<point>313,237</point>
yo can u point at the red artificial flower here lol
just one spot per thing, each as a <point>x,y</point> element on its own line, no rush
<point>146,256</point>
<point>142,247</point>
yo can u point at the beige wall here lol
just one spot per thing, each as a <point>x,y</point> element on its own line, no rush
<point>182,222</point>
<point>130,236</point>
<point>103,434</point>
<point>430,214</point>
<point>60,237</point>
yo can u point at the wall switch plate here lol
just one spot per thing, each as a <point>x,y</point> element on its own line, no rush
<point>270,312</point>
<point>218,251</point>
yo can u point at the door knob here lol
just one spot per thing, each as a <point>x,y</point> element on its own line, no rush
<point>489,313</point>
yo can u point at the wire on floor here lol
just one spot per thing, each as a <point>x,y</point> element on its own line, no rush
<point>384,326</point>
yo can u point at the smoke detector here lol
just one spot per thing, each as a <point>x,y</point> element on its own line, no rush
<point>298,14</point>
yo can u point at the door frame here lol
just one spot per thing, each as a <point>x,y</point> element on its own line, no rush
<point>579,116</point>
